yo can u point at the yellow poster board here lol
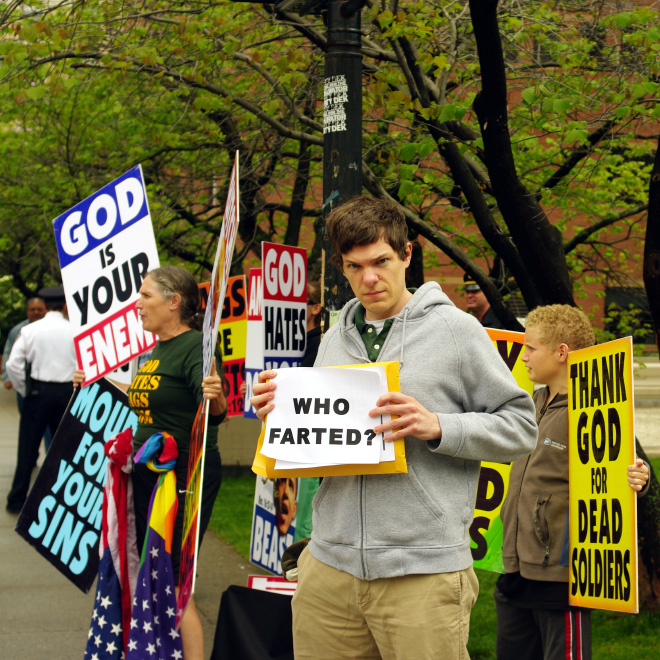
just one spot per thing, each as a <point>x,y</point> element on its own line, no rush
<point>265,466</point>
<point>486,527</point>
<point>602,506</point>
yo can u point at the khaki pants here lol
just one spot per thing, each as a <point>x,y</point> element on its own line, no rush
<point>415,617</point>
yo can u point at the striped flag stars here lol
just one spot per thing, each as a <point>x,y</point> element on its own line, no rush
<point>105,640</point>
<point>154,636</point>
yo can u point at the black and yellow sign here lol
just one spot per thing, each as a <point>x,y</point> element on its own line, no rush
<point>602,506</point>
<point>486,527</point>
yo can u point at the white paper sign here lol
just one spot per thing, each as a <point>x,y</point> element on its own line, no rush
<point>321,417</point>
<point>386,448</point>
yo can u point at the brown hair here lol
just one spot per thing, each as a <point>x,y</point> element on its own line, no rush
<point>314,291</point>
<point>171,280</point>
<point>364,220</point>
<point>561,324</point>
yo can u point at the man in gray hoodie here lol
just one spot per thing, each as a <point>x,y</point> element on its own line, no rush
<point>388,571</point>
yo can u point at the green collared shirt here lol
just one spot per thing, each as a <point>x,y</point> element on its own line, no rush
<point>373,341</point>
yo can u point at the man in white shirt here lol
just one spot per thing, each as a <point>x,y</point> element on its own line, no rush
<point>46,346</point>
<point>35,309</point>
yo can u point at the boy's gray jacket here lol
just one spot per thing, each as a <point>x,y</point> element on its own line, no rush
<point>380,526</point>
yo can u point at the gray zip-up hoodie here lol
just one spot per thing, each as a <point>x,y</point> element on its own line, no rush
<point>377,526</point>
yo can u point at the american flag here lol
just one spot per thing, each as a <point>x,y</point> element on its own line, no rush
<point>105,640</point>
<point>153,632</point>
<point>119,559</point>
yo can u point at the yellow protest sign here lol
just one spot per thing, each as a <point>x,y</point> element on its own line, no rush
<point>602,507</point>
<point>265,466</point>
<point>486,527</point>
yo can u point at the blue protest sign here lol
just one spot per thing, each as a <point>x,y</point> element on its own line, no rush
<point>62,516</point>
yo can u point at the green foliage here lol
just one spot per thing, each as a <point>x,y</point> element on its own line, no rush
<point>12,308</point>
<point>90,90</point>
<point>620,322</point>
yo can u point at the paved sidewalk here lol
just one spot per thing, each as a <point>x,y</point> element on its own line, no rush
<point>42,614</point>
<point>647,404</point>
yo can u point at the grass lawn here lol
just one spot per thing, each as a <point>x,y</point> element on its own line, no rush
<point>232,513</point>
<point>615,636</point>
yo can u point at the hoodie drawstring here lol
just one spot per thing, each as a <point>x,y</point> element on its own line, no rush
<point>403,337</point>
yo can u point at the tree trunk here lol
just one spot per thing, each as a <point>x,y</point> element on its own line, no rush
<point>539,242</point>
<point>292,235</point>
<point>652,247</point>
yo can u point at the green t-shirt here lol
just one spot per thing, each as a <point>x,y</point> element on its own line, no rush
<point>166,392</point>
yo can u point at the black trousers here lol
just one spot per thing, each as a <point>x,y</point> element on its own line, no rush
<point>43,408</point>
<point>48,436</point>
<point>525,633</point>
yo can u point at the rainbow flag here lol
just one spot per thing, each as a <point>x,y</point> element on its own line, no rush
<point>153,632</point>
<point>189,544</point>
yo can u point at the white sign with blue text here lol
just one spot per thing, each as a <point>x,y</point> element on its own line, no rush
<point>106,245</point>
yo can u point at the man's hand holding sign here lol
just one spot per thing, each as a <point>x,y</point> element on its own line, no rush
<point>411,418</point>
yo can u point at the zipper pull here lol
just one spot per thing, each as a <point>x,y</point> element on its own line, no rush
<point>547,556</point>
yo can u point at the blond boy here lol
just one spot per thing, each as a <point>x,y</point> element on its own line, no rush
<point>534,620</point>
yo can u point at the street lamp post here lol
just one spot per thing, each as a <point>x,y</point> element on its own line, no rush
<point>342,122</point>
<point>342,129</point>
